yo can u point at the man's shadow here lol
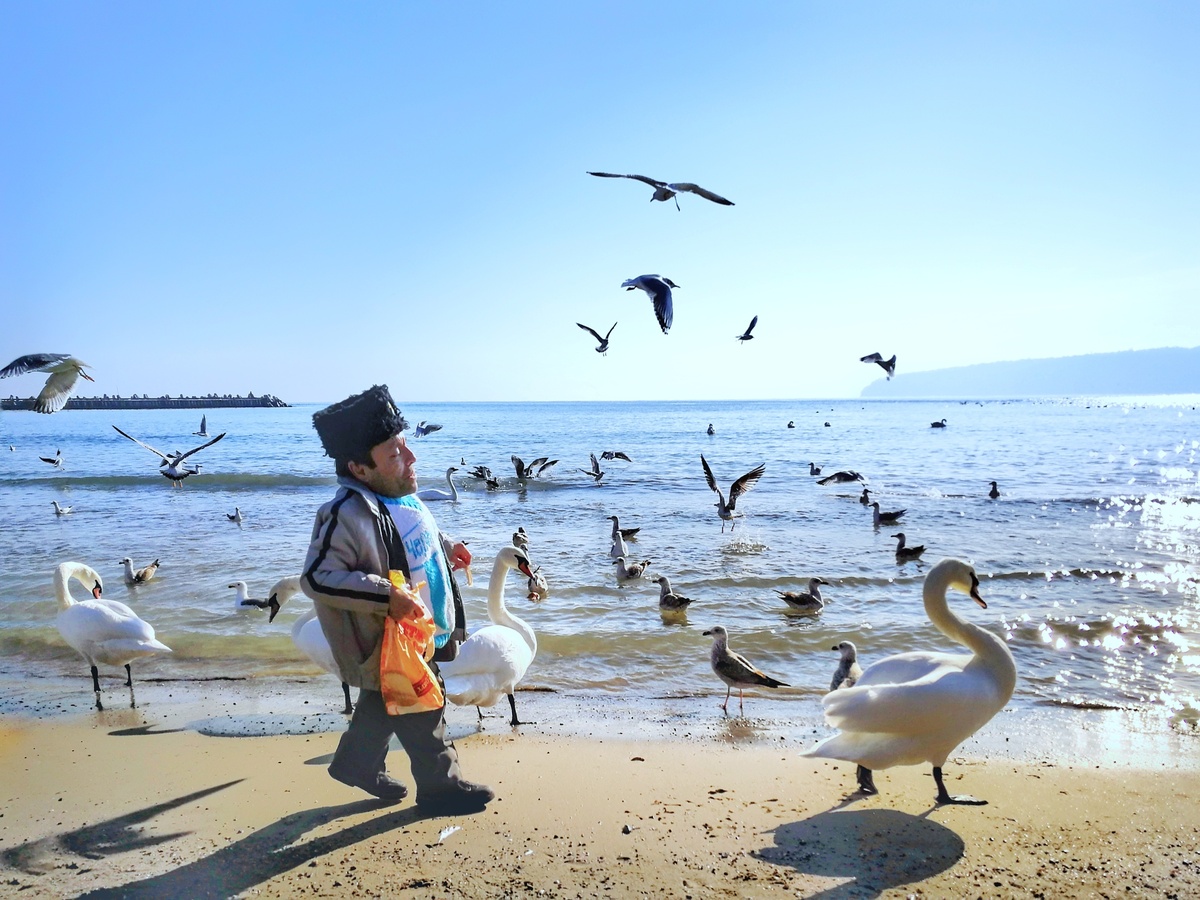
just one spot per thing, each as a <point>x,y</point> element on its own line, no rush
<point>876,849</point>
<point>235,868</point>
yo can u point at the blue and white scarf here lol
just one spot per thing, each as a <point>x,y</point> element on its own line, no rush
<point>426,561</point>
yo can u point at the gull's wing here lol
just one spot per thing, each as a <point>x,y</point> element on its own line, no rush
<point>53,460</point>
<point>184,456</point>
<point>518,465</point>
<point>871,358</point>
<point>696,189</point>
<point>708,476</point>
<point>744,483</point>
<point>620,455</point>
<point>595,463</point>
<point>553,462</point>
<point>541,460</point>
<point>660,294</point>
<point>57,392</point>
<point>33,362</point>
<point>610,331</point>
<point>642,178</point>
<point>753,322</point>
<point>593,333</point>
<point>164,456</point>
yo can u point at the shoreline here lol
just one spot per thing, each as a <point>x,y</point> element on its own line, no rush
<point>177,813</point>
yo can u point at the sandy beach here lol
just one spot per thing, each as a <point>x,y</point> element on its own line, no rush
<point>126,803</point>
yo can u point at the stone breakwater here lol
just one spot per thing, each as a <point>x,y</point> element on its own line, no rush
<point>143,402</point>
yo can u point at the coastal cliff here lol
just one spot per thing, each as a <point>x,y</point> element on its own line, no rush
<point>212,401</point>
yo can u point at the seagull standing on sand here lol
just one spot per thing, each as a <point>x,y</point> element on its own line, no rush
<point>735,670</point>
<point>848,671</point>
<point>994,493</point>
<point>64,371</point>
<point>888,365</point>
<point>904,553</point>
<point>658,289</point>
<point>55,460</point>
<point>601,342</point>
<point>668,599</point>
<point>726,509</point>
<point>809,601</point>
<point>138,576</point>
<point>885,518</point>
<point>664,191</point>
<point>61,510</point>
<point>746,335</point>
<point>173,468</point>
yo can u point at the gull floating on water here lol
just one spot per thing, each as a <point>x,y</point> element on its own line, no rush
<point>711,430</point>
<point>437,493</point>
<point>885,518</point>
<point>726,509</point>
<point>841,477</point>
<point>814,469</point>
<point>56,460</point>
<point>601,342</point>
<point>669,599</point>
<point>735,670</point>
<point>173,468</point>
<point>627,533</point>
<point>865,497</point>
<point>848,671</point>
<point>235,516</point>
<point>618,549</point>
<point>101,631</point>
<point>791,424</point>
<point>627,572</point>
<point>242,599</point>
<point>666,191</point>
<point>994,493</point>
<point>918,706</point>
<point>138,576</point>
<point>746,335</point>
<point>658,289</point>
<point>64,371</point>
<point>809,601</point>
<point>888,365</point>
<point>903,552</point>
<point>61,510</point>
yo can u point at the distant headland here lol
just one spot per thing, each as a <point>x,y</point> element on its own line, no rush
<point>145,401</point>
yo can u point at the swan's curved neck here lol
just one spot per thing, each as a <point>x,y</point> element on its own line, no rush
<point>978,639</point>
<point>62,579</point>
<point>498,612</point>
<point>453,489</point>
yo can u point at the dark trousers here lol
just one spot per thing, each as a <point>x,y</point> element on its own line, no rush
<point>362,751</point>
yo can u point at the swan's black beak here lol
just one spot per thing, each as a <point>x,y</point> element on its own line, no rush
<point>273,605</point>
<point>975,591</point>
<point>97,590</point>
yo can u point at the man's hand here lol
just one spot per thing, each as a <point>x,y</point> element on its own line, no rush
<point>403,605</point>
<point>460,556</point>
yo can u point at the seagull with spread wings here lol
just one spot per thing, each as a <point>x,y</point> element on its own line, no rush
<point>664,191</point>
<point>172,466</point>
<point>658,289</point>
<point>64,372</point>
<point>601,342</point>
<point>746,335</point>
<point>888,365</point>
<point>726,509</point>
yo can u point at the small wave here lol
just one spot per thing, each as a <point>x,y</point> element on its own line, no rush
<point>203,481</point>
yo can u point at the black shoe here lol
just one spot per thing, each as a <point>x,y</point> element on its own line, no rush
<point>460,797</point>
<point>381,786</point>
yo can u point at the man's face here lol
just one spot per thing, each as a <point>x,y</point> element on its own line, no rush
<point>394,474</point>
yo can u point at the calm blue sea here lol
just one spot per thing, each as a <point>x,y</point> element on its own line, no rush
<point>1089,560</point>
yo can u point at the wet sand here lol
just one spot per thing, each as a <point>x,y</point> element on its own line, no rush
<point>130,803</point>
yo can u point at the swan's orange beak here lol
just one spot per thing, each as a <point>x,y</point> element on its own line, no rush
<point>97,591</point>
<point>975,592</point>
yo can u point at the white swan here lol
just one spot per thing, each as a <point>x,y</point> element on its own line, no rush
<point>307,634</point>
<point>102,631</point>
<point>494,659</point>
<point>437,494</point>
<point>917,707</point>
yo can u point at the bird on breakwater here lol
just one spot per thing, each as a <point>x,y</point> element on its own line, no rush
<point>735,670</point>
<point>64,371</point>
<point>667,191</point>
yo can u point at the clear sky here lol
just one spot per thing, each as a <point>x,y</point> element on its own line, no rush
<point>306,198</point>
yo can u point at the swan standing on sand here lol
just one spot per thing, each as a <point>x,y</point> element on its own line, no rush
<point>809,601</point>
<point>101,631</point>
<point>495,658</point>
<point>138,576</point>
<point>917,707</point>
<point>306,632</point>
<point>735,670</point>
<point>437,494</point>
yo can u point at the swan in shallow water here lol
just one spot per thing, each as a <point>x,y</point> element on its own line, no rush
<point>307,634</point>
<point>101,631</point>
<point>438,494</point>
<point>493,659</point>
<point>917,707</point>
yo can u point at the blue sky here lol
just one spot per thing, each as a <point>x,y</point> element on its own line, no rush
<point>307,198</point>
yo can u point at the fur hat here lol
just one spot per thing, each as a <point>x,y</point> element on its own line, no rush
<point>349,429</point>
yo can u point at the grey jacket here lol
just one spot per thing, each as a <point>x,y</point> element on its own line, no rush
<point>345,574</point>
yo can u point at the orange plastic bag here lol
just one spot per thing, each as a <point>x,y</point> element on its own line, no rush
<point>406,681</point>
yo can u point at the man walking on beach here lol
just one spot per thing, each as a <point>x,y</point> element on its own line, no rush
<point>375,523</point>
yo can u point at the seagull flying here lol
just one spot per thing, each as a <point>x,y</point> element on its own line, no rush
<point>203,432</point>
<point>888,365</point>
<point>658,289</point>
<point>739,487</point>
<point>175,471</point>
<point>534,469</point>
<point>55,460</point>
<point>602,342</point>
<point>595,470</point>
<point>64,372</point>
<point>423,428</point>
<point>615,454</point>
<point>746,335</point>
<point>664,191</point>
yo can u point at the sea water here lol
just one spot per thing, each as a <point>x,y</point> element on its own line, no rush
<point>1088,560</point>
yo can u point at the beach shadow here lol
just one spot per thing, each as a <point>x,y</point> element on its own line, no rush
<point>119,835</point>
<point>877,849</point>
<point>260,856</point>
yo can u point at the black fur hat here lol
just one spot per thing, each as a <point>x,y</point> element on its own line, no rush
<point>349,429</point>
